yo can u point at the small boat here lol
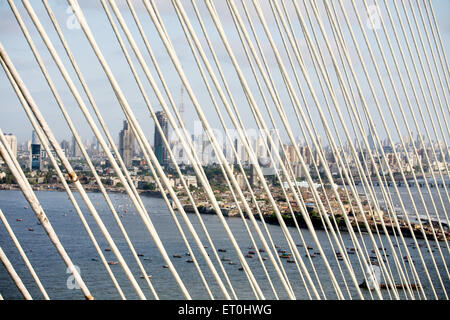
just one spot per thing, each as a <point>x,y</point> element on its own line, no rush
<point>107,249</point>
<point>140,254</point>
<point>225,259</point>
<point>232,263</point>
<point>148,259</point>
<point>290,261</point>
<point>112,263</point>
<point>187,253</point>
<point>241,269</point>
<point>19,219</point>
<point>176,256</point>
<point>206,247</point>
<point>248,256</point>
<point>190,261</point>
<point>30,229</point>
<point>165,266</point>
<point>222,250</point>
<point>310,248</point>
<point>282,251</point>
<point>317,253</point>
<point>251,252</point>
<point>94,259</point>
<point>264,259</point>
<point>300,245</point>
<point>148,277</point>
<point>25,207</point>
<point>285,255</point>
<point>261,250</point>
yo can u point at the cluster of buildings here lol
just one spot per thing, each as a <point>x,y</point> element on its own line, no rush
<point>31,155</point>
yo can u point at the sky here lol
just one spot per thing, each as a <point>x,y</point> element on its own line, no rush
<point>13,119</point>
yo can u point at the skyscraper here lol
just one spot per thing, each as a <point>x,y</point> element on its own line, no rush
<point>12,142</point>
<point>35,152</point>
<point>126,144</point>
<point>76,151</point>
<point>160,149</point>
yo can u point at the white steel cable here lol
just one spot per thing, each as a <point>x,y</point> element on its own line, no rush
<point>239,163</point>
<point>378,142</point>
<point>389,105</point>
<point>144,216</point>
<point>134,46</point>
<point>437,40</point>
<point>202,117</point>
<point>31,198</point>
<point>346,163</point>
<point>238,118</point>
<point>234,153</point>
<point>279,139</point>
<point>12,272</point>
<point>170,154</point>
<point>45,143</point>
<point>22,253</point>
<point>356,115</point>
<point>414,147</point>
<point>58,150</point>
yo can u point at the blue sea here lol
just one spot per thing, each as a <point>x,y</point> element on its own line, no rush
<point>65,221</point>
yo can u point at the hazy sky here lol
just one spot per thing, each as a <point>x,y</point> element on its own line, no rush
<point>13,119</point>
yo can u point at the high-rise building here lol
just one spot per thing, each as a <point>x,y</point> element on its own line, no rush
<point>35,152</point>
<point>12,143</point>
<point>76,151</point>
<point>160,148</point>
<point>126,144</point>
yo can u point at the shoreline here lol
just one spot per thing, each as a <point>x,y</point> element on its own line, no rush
<point>270,219</point>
